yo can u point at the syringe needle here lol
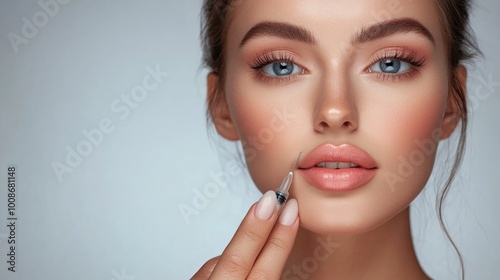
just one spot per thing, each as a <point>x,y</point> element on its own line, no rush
<point>296,161</point>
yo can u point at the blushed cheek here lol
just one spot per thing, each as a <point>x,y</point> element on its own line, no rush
<point>266,127</point>
<point>412,140</point>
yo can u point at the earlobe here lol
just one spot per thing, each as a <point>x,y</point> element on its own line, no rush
<point>219,110</point>
<point>453,110</point>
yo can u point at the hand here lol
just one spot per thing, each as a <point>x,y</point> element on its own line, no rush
<point>260,247</point>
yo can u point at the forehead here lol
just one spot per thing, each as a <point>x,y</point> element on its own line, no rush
<point>331,20</point>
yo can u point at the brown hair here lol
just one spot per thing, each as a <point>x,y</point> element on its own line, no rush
<point>215,20</point>
<point>460,45</point>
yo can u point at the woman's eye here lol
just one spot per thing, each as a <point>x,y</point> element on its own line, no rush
<point>282,68</point>
<point>390,66</point>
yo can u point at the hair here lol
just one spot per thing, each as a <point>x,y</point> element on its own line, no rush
<point>461,47</point>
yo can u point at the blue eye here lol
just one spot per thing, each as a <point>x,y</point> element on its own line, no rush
<point>390,66</point>
<point>282,68</point>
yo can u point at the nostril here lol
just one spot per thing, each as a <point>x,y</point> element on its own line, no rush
<point>322,126</point>
<point>347,125</point>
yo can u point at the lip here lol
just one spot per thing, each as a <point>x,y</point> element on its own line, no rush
<point>346,179</point>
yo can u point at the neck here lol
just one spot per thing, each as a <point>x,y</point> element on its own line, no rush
<point>384,253</point>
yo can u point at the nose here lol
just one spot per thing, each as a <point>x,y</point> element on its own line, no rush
<point>335,108</point>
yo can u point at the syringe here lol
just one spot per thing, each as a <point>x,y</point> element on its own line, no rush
<point>282,191</point>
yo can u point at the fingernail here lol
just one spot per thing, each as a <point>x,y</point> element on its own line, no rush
<point>266,206</point>
<point>289,213</point>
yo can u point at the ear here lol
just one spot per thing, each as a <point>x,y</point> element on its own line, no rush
<point>218,109</point>
<point>452,114</point>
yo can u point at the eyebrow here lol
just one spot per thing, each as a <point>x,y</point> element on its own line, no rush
<point>371,33</point>
<point>391,27</point>
<point>279,29</point>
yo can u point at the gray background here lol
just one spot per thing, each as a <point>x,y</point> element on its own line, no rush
<point>116,214</point>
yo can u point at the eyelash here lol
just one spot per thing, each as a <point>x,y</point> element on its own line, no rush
<point>404,55</point>
<point>261,61</point>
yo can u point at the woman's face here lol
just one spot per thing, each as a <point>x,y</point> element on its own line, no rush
<point>361,82</point>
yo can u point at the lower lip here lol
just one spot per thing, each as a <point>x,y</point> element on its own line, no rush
<point>329,179</point>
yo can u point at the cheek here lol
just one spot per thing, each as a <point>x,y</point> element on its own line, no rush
<point>266,125</point>
<point>410,138</point>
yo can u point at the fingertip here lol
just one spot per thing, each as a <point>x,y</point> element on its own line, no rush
<point>266,206</point>
<point>290,213</point>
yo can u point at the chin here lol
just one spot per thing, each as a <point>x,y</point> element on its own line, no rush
<point>328,224</point>
<point>347,216</point>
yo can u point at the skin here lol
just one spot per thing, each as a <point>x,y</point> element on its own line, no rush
<point>336,96</point>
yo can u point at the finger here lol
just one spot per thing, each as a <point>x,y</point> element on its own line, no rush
<point>206,270</point>
<point>273,257</point>
<point>240,254</point>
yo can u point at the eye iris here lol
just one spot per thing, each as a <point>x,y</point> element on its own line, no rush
<point>390,66</point>
<point>282,68</point>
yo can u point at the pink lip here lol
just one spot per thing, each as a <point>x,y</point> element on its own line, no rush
<point>329,179</point>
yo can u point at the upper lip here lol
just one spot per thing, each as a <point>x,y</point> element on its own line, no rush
<point>337,153</point>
